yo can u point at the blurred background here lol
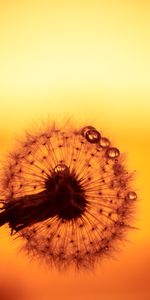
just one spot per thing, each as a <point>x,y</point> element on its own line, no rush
<point>90,61</point>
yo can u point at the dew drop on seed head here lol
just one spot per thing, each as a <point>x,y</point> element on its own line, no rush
<point>112,152</point>
<point>85,129</point>
<point>104,142</point>
<point>132,196</point>
<point>60,168</point>
<point>92,136</point>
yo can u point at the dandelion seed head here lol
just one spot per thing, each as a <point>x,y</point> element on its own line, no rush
<point>68,195</point>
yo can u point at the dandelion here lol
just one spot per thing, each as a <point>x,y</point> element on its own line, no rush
<point>67,193</point>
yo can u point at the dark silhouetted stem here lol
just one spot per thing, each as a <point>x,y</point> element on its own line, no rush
<point>3,217</point>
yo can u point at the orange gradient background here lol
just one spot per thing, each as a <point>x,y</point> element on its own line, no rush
<point>90,61</point>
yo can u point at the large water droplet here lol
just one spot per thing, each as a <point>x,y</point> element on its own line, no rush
<point>112,152</point>
<point>132,196</point>
<point>93,136</point>
<point>86,129</point>
<point>104,142</point>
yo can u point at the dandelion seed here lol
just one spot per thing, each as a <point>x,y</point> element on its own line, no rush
<point>68,195</point>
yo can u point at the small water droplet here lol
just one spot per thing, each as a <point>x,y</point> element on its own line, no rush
<point>93,136</point>
<point>60,168</point>
<point>132,196</point>
<point>112,152</point>
<point>104,142</point>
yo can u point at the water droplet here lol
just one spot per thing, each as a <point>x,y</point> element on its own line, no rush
<point>86,129</point>
<point>93,136</point>
<point>132,196</point>
<point>104,142</point>
<point>112,152</point>
<point>60,168</point>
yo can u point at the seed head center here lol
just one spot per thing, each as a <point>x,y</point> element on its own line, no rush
<point>66,193</point>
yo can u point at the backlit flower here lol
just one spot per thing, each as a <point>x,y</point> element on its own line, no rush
<point>68,194</point>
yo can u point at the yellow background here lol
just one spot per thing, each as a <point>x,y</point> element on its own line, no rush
<point>90,61</point>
